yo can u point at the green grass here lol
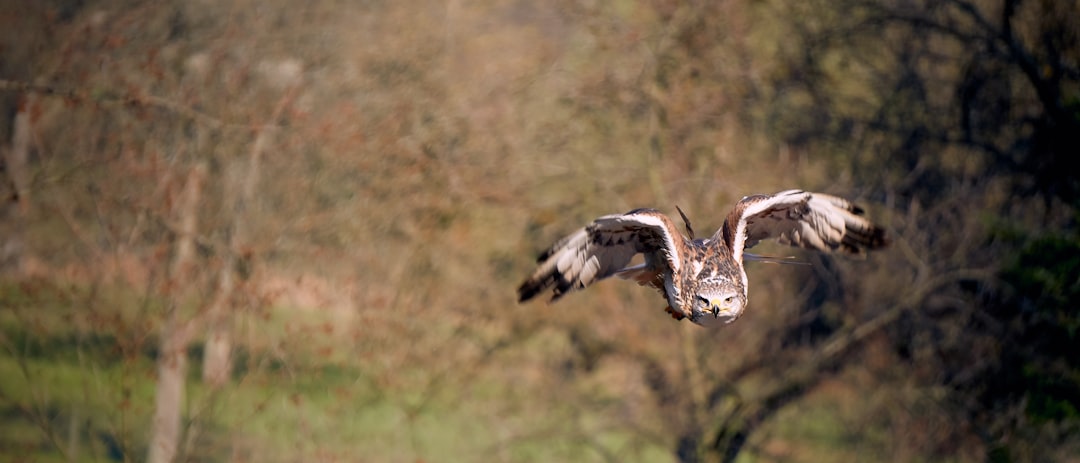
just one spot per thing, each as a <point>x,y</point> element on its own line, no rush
<point>78,372</point>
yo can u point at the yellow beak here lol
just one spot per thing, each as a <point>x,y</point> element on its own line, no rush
<point>721,308</point>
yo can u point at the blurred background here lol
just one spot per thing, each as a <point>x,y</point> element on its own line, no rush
<point>283,231</point>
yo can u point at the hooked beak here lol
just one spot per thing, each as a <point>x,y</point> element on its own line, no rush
<point>723,309</point>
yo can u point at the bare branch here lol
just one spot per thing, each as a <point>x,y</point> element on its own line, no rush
<point>731,433</point>
<point>123,100</point>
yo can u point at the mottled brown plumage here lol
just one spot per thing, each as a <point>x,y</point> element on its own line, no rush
<point>701,279</point>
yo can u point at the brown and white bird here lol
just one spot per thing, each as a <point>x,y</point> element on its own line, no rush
<point>701,279</point>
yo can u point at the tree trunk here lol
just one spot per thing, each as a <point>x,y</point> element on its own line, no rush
<point>176,332</point>
<point>19,156</point>
<point>16,203</point>
<point>172,367</point>
<point>217,361</point>
<point>240,193</point>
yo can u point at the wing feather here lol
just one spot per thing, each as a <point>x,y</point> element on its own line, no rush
<point>802,219</point>
<point>605,248</point>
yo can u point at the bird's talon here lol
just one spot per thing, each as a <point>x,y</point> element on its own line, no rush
<point>674,314</point>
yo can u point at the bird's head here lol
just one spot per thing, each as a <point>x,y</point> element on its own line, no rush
<point>717,304</point>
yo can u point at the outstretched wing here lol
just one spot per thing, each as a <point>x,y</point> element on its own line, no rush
<point>604,248</point>
<point>799,218</point>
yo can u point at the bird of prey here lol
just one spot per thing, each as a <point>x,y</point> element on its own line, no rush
<point>702,280</point>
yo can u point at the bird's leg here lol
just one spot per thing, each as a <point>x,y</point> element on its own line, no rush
<point>674,313</point>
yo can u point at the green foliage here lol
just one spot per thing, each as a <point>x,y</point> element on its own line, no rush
<point>1045,280</point>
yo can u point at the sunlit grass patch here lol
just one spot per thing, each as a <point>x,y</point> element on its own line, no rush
<point>78,384</point>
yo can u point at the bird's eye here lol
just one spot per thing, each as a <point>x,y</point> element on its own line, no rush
<point>729,299</point>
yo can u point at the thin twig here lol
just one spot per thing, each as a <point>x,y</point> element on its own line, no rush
<point>123,100</point>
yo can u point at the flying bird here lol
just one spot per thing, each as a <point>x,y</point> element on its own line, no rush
<point>702,280</point>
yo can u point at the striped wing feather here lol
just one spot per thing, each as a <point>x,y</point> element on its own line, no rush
<point>604,248</point>
<point>802,219</point>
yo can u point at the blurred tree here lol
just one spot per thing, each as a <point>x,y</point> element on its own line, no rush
<point>1031,395</point>
<point>15,191</point>
<point>977,102</point>
<point>178,329</point>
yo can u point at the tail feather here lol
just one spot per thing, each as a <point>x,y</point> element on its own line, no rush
<point>642,275</point>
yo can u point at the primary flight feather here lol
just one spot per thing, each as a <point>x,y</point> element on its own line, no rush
<point>702,280</point>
